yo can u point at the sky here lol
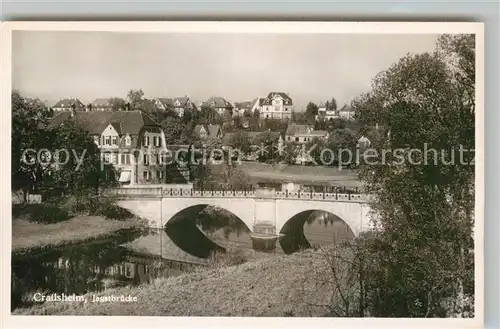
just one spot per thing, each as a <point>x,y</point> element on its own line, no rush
<point>52,65</point>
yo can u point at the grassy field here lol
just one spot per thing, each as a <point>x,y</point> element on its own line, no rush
<point>27,236</point>
<point>301,174</point>
<point>295,285</point>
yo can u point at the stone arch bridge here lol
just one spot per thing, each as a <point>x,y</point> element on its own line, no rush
<point>267,213</point>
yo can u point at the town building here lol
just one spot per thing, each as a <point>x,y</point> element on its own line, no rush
<point>219,104</point>
<point>68,104</point>
<point>241,107</point>
<point>277,105</point>
<point>346,113</point>
<point>208,131</point>
<point>325,114</point>
<point>101,104</point>
<point>303,134</point>
<point>178,104</point>
<point>130,141</point>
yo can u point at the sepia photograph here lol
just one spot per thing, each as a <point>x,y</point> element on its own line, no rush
<point>247,170</point>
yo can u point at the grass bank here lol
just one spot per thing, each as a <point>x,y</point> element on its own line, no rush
<point>295,285</point>
<point>29,237</point>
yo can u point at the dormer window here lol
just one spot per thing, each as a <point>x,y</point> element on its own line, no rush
<point>128,140</point>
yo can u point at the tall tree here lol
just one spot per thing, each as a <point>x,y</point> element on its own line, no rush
<point>331,105</point>
<point>422,261</point>
<point>135,98</point>
<point>311,112</point>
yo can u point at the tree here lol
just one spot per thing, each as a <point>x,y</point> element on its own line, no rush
<point>422,250</point>
<point>311,112</point>
<point>117,104</point>
<point>36,162</point>
<point>135,98</point>
<point>173,129</point>
<point>71,176</point>
<point>240,141</point>
<point>331,105</point>
<point>29,131</point>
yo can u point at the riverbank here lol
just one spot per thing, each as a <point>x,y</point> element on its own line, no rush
<point>29,237</point>
<point>294,285</point>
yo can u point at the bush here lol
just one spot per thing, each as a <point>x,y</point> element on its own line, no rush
<point>94,206</point>
<point>48,214</point>
<point>78,205</point>
<point>112,211</point>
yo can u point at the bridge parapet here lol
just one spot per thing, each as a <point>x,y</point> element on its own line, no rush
<point>188,193</point>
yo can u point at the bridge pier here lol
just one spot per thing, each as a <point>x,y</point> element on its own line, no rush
<point>264,237</point>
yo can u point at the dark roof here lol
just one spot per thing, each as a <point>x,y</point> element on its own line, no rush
<point>297,129</point>
<point>118,126</point>
<point>128,122</point>
<point>217,101</point>
<point>182,100</point>
<point>166,102</point>
<point>269,99</point>
<point>68,102</point>
<point>213,130</point>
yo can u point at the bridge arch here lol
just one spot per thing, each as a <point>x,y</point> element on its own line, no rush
<point>355,215</point>
<point>293,237</point>
<point>183,228</point>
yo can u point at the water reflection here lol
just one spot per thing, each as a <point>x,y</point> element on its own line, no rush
<point>95,267</point>
<point>182,246</point>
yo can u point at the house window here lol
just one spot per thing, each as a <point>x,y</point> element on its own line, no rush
<point>159,174</point>
<point>146,159</point>
<point>289,138</point>
<point>146,141</point>
<point>106,157</point>
<point>128,141</point>
<point>115,140</point>
<point>125,158</point>
<point>296,139</point>
<point>147,175</point>
<point>108,140</point>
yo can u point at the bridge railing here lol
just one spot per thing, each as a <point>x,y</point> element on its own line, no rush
<point>187,193</point>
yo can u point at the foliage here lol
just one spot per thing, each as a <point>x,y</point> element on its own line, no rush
<point>173,129</point>
<point>48,214</point>
<point>311,112</point>
<point>51,169</point>
<point>421,262</point>
<point>118,104</point>
<point>331,105</point>
<point>241,141</point>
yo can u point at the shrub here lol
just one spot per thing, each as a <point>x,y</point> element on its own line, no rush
<point>77,205</point>
<point>47,214</point>
<point>112,211</point>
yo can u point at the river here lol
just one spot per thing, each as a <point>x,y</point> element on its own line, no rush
<point>130,259</point>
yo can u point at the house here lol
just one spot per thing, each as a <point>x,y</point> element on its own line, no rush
<point>101,104</point>
<point>177,104</point>
<point>363,142</point>
<point>325,114</point>
<point>130,141</point>
<point>277,105</point>
<point>346,113</point>
<point>208,131</point>
<point>68,104</point>
<point>241,107</point>
<point>219,104</point>
<point>303,134</point>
